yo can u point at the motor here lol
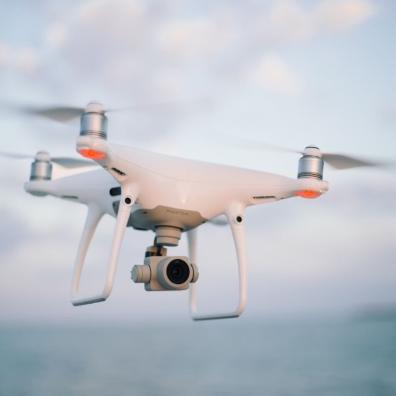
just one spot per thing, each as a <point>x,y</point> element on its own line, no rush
<point>310,164</point>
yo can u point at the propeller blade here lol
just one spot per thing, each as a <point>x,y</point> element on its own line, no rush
<point>68,113</point>
<point>341,161</point>
<point>16,155</point>
<point>68,162</point>
<point>335,160</point>
<point>55,113</point>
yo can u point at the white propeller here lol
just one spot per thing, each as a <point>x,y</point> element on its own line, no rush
<point>335,160</point>
<point>67,162</point>
<point>63,113</point>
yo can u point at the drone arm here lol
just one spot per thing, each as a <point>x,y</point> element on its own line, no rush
<point>93,218</point>
<point>235,219</point>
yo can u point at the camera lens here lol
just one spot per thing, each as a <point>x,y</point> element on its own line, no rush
<point>178,271</point>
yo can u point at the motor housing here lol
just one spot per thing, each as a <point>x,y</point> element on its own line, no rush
<point>311,164</point>
<point>94,121</point>
<point>41,168</point>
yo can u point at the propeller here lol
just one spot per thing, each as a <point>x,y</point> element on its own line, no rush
<point>66,162</point>
<point>65,114</point>
<point>55,113</point>
<point>61,114</point>
<point>335,160</point>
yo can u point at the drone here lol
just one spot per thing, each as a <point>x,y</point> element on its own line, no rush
<point>166,195</point>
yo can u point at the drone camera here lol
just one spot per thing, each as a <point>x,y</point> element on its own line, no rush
<point>165,273</point>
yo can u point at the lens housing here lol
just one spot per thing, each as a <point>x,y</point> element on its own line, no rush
<point>174,273</point>
<point>178,271</point>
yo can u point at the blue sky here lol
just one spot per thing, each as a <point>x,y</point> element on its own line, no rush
<point>290,73</point>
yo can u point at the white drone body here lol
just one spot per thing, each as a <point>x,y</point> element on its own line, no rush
<point>168,195</point>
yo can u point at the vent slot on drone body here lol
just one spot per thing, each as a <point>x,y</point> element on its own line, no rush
<point>259,197</point>
<point>119,172</point>
<point>115,191</point>
<point>69,197</point>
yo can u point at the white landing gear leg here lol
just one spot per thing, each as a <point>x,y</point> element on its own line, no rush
<point>236,219</point>
<point>128,198</point>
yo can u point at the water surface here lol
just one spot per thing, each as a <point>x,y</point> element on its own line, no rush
<point>235,357</point>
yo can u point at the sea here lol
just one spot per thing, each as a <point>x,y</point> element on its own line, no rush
<point>279,357</point>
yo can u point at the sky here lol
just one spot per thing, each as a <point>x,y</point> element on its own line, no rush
<point>198,75</point>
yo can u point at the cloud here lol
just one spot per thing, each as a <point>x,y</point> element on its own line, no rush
<point>126,52</point>
<point>56,35</point>
<point>337,15</point>
<point>290,21</point>
<point>187,38</point>
<point>106,46</point>
<point>25,60</point>
<point>5,54</point>
<point>274,75</point>
<point>13,231</point>
<point>201,38</point>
